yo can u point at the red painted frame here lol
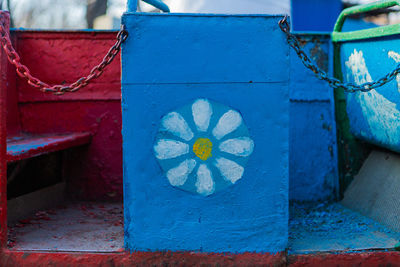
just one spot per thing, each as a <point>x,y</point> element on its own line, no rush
<point>5,19</point>
<point>97,109</point>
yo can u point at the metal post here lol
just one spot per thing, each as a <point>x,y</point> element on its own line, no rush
<point>5,16</point>
<point>132,5</point>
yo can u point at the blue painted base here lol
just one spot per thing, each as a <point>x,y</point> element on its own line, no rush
<point>249,216</point>
<point>168,62</point>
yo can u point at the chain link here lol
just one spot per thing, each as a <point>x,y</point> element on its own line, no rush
<point>322,75</point>
<point>24,72</point>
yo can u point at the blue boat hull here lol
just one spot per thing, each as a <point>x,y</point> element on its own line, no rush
<point>374,116</point>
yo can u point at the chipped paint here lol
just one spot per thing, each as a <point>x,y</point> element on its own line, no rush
<point>313,175</point>
<point>23,147</point>
<point>380,114</point>
<point>396,57</point>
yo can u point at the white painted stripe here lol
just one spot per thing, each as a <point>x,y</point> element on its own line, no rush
<point>230,170</point>
<point>241,146</point>
<point>168,149</point>
<point>228,122</point>
<point>177,176</point>
<point>176,124</point>
<point>204,183</point>
<point>202,111</point>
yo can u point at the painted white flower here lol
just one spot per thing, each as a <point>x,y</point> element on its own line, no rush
<point>203,147</point>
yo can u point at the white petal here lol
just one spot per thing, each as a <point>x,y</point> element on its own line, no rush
<point>177,176</point>
<point>202,111</point>
<point>176,124</point>
<point>241,146</point>
<point>204,183</point>
<point>168,149</point>
<point>227,124</point>
<point>230,170</point>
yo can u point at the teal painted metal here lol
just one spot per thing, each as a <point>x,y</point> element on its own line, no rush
<point>221,60</point>
<point>158,4</point>
<point>339,36</point>
<point>132,5</point>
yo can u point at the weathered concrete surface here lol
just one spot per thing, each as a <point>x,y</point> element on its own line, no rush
<point>375,191</point>
<point>313,149</point>
<point>324,227</point>
<point>70,227</point>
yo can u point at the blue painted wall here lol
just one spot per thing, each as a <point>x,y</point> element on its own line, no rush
<point>242,62</point>
<point>315,15</point>
<point>313,148</point>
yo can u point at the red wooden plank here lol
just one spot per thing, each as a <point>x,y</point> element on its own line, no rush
<point>23,147</point>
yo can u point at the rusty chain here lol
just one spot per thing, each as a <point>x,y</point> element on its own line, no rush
<point>23,71</point>
<point>322,75</point>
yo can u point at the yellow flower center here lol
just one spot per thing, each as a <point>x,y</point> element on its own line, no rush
<point>202,148</point>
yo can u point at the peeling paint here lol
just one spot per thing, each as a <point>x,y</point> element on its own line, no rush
<point>380,113</point>
<point>396,57</point>
<point>312,126</point>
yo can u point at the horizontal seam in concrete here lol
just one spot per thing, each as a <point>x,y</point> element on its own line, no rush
<point>311,100</point>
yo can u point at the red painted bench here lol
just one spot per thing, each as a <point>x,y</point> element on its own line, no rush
<point>58,150</point>
<point>26,146</point>
<point>22,145</point>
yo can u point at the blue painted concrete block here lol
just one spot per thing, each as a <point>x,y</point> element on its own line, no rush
<point>205,108</point>
<point>374,116</point>
<point>313,150</point>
